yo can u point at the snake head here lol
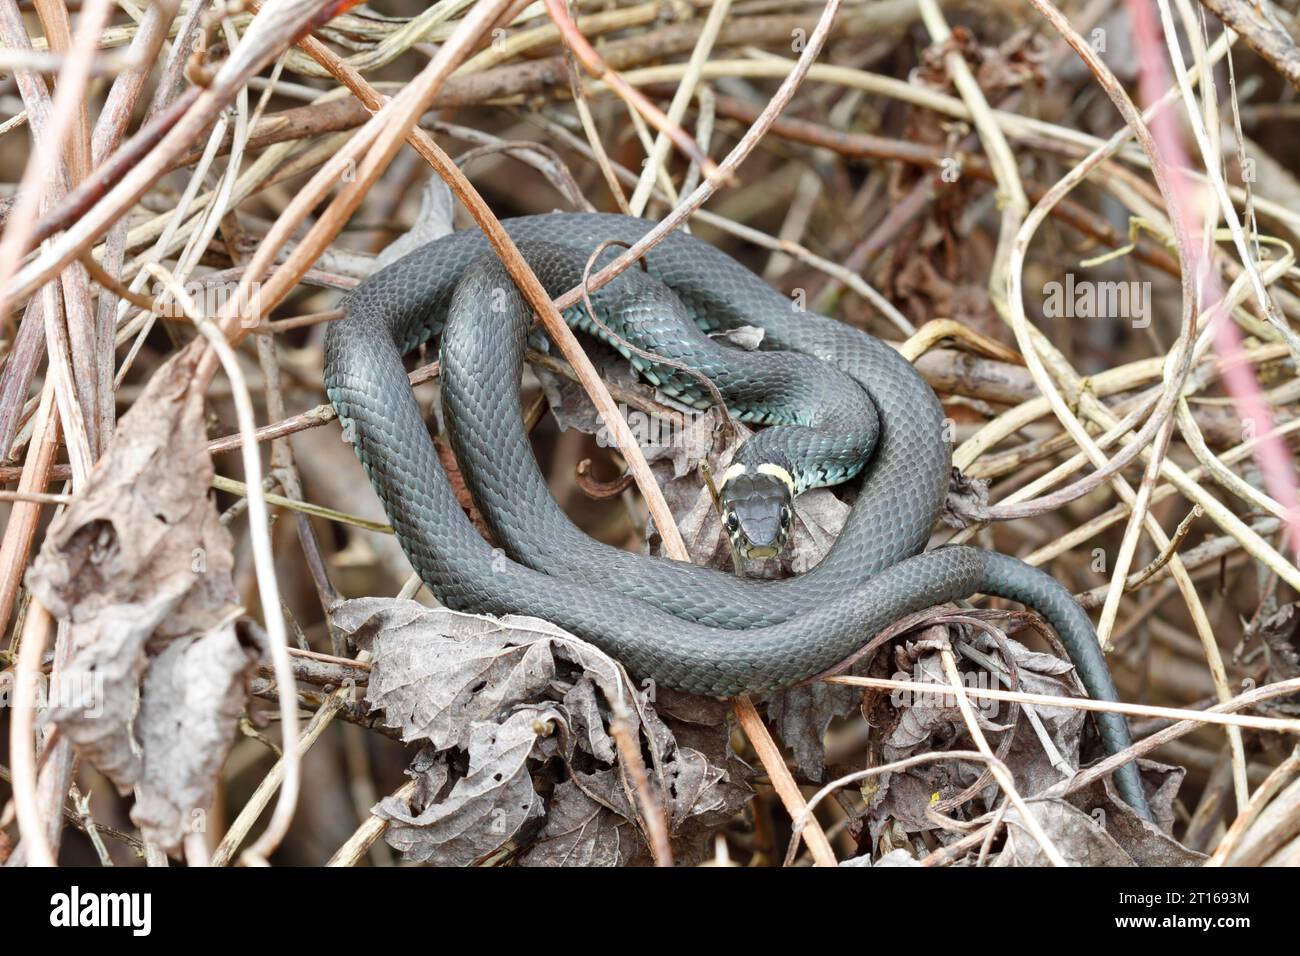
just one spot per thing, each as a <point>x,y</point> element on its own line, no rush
<point>757,509</point>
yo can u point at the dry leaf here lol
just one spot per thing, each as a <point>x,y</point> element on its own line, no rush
<point>1280,633</point>
<point>1149,844</point>
<point>892,858</point>
<point>581,832</point>
<point>929,722</point>
<point>1081,840</point>
<point>487,805</point>
<point>800,717</point>
<point>139,558</point>
<point>519,757</point>
<point>194,694</point>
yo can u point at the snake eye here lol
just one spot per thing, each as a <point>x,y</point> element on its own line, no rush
<point>732,521</point>
<point>785,517</point>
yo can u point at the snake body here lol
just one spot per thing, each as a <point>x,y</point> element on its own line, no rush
<point>673,622</point>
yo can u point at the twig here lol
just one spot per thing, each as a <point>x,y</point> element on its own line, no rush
<point>67,107</point>
<point>20,531</point>
<point>677,109</point>
<point>648,800</point>
<point>806,825</point>
<point>22,754</point>
<point>1275,461</point>
<point>1107,766</point>
<point>264,565</point>
<point>1279,778</point>
<point>789,84</point>
<point>596,66</point>
<point>276,25</point>
<point>998,768</point>
<point>269,784</point>
<point>1212,716</point>
<point>1257,24</point>
<point>371,829</point>
<point>1140,577</point>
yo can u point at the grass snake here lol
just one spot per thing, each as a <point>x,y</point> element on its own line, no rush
<point>692,628</point>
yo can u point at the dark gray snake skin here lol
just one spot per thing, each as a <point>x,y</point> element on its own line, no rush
<point>665,620</point>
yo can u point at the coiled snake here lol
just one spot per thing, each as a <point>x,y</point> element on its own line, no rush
<point>691,628</point>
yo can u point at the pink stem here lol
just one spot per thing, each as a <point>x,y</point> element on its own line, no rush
<point>1275,461</point>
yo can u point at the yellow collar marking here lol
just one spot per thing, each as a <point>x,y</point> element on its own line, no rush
<point>776,471</point>
<point>735,471</point>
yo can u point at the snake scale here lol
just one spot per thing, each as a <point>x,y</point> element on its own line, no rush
<point>687,627</point>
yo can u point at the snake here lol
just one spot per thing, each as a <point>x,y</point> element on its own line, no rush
<point>819,426</point>
<point>684,626</point>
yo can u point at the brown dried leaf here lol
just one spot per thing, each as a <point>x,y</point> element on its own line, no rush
<point>193,696</point>
<point>1092,827</point>
<point>1280,633</point>
<point>568,400</point>
<point>466,683</point>
<point>1149,844</point>
<point>437,672</point>
<point>800,716</point>
<point>108,661</point>
<point>893,858</point>
<point>144,534</point>
<point>139,555</point>
<point>487,805</point>
<point>581,832</point>
<point>1081,840</point>
<point>967,501</point>
<point>934,722</point>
